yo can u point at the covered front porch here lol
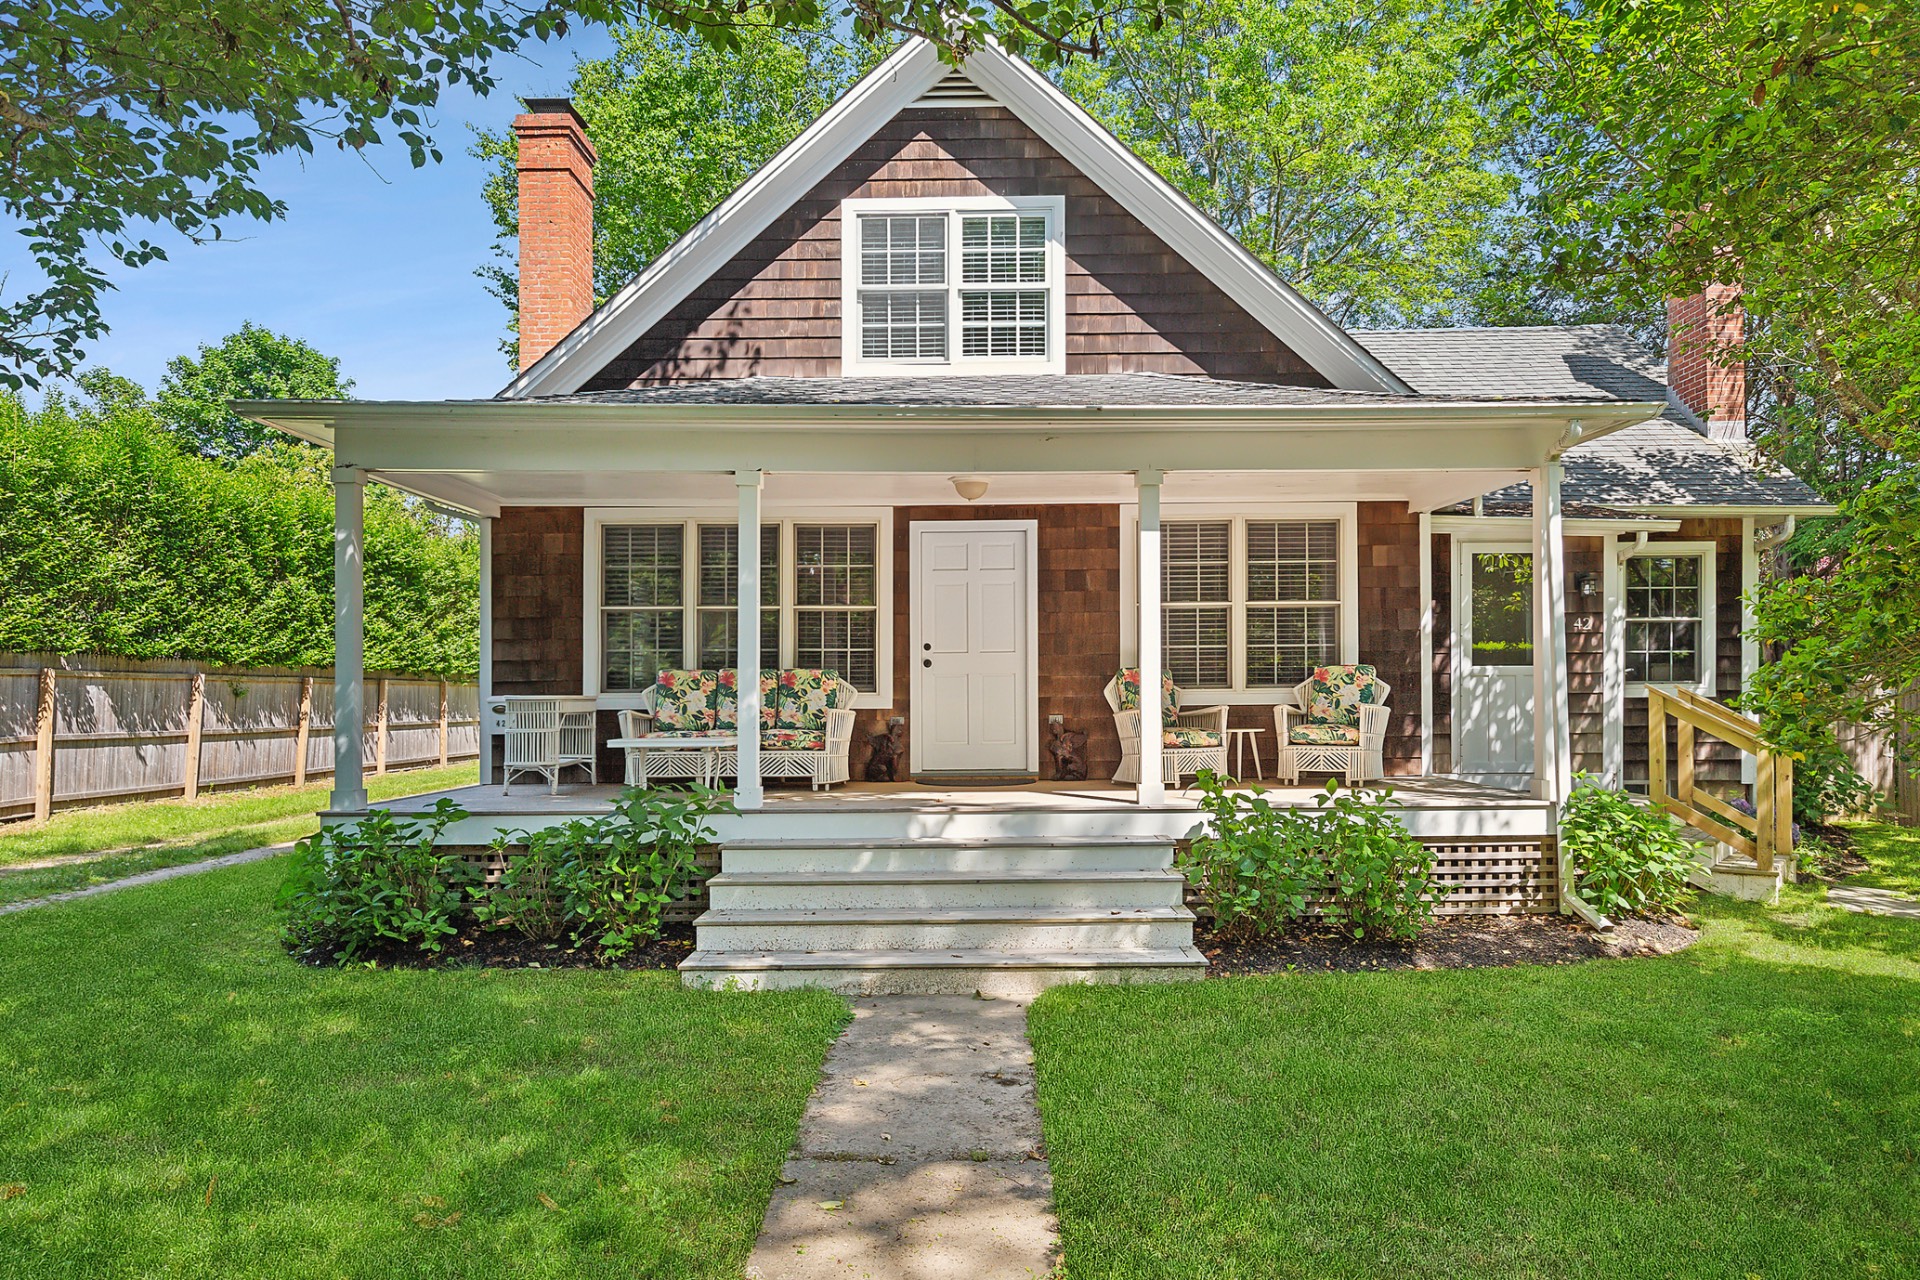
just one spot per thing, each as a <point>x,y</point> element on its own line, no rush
<point>1131,468</point>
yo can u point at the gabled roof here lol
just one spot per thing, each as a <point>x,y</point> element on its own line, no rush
<point>910,75</point>
<point>1666,462</point>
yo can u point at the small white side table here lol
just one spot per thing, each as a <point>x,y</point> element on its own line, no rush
<point>1238,740</point>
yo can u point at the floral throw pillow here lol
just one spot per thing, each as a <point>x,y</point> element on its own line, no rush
<point>683,701</point>
<point>1336,694</point>
<point>1129,682</point>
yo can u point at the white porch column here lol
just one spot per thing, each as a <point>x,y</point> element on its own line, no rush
<point>746,792</point>
<point>1552,758</point>
<point>1153,787</point>
<point>486,647</point>
<point>349,649</point>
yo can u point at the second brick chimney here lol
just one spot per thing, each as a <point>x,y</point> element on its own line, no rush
<point>1699,328</point>
<point>556,224</point>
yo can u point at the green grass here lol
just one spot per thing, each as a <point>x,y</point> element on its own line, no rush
<point>1892,854</point>
<point>150,834</point>
<point>178,1098</point>
<point>1748,1108</point>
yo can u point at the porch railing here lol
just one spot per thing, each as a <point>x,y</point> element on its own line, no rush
<point>1760,835</point>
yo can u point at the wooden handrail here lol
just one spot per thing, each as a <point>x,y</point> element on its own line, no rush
<point>1772,821</point>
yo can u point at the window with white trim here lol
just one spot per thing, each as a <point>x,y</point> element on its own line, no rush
<point>1668,624</point>
<point>959,286</point>
<point>669,595</point>
<point>1249,604</point>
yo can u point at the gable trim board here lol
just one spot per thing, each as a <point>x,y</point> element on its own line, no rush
<point>895,85</point>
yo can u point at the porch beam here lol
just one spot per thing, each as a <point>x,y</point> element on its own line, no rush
<point>1153,787</point>
<point>1552,752</point>
<point>349,641</point>
<point>485,530</point>
<point>747,792</point>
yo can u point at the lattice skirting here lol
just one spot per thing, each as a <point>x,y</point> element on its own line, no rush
<point>1488,877</point>
<point>493,864</point>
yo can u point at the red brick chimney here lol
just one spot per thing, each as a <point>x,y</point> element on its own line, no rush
<point>1698,329</point>
<point>556,224</point>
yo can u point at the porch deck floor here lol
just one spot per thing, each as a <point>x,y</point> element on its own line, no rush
<point>532,799</point>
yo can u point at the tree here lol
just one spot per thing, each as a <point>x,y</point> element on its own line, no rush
<point>116,114</point>
<point>1769,144</point>
<point>253,363</point>
<point>678,124</point>
<point>1345,142</point>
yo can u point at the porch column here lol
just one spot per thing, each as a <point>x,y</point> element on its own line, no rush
<point>1552,759</point>
<point>746,791</point>
<point>1153,788</point>
<point>486,647</point>
<point>349,655</point>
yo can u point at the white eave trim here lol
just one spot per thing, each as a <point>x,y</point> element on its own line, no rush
<point>893,86</point>
<point>1511,526</point>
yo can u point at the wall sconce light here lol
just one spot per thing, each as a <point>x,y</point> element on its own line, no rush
<point>1587,584</point>
<point>972,488</point>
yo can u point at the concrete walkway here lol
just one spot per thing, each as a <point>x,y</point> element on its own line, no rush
<point>919,1157</point>
<point>1873,902</point>
<point>150,877</point>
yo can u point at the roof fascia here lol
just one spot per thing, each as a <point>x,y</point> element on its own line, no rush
<point>1587,526</point>
<point>1334,353</point>
<point>1683,511</point>
<point>768,192</point>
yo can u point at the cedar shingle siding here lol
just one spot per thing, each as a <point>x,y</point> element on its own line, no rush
<point>1133,305</point>
<point>1390,622</point>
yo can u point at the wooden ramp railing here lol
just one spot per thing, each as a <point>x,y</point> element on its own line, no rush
<point>1771,823</point>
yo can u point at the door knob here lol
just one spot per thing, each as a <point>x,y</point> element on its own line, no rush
<point>928,646</point>
<point>926,662</point>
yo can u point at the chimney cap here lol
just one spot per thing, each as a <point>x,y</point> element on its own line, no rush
<point>552,107</point>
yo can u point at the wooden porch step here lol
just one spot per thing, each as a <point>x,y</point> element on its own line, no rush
<point>986,928</point>
<point>907,888</point>
<point>953,971</point>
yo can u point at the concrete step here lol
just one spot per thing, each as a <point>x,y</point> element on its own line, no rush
<point>959,928</point>
<point>949,972</point>
<point>996,815</point>
<point>985,856</point>
<point>921,890</point>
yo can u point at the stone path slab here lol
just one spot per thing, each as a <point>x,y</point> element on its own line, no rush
<point>1873,902</point>
<point>151,877</point>
<point>919,1156</point>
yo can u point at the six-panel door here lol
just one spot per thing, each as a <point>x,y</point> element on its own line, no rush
<point>973,646</point>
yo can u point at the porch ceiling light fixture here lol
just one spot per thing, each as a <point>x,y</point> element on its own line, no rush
<point>972,488</point>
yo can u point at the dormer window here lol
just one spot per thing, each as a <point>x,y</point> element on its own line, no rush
<point>973,285</point>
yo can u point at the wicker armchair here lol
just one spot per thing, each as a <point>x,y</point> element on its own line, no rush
<point>1337,722</point>
<point>1192,738</point>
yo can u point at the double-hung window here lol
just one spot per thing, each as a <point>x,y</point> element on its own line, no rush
<point>669,594</point>
<point>957,286</point>
<point>1249,603</point>
<point>1669,618</point>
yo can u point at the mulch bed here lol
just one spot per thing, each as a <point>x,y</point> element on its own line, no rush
<point>476,948</point>
<point>1836,860</point>
<point>1450,942</point>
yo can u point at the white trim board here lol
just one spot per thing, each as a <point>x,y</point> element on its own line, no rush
<point>893,86</point>
<point>1709,552</point>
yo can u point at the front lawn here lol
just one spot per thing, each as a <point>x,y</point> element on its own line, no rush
<point>1748,1108</point>
<point>182,1099</point>
<point>80,847</point>
<point>1892,854</point>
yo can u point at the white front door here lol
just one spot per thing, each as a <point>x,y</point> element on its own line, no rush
<point>1493,662</point>
<point>973,640</point>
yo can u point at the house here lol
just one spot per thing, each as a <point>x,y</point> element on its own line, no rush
<point>967,364</point>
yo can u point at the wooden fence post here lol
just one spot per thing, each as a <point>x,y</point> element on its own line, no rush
<point>1764,829</point>
<point>196,712</point>
<point>43,747</point>
<point>302,731</point>
<point>443,724</point>
<point>380,738</point>
<point>1656,746</point>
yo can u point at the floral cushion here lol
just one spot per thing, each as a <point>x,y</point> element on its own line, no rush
<point>683,735</point>
<point>1129,688</point>
<point>793,740</point>
<point>726,699</point>
<point>1186,737</point>
<point>1324,735</point>
<point>805,696</point>
<point>683,700</point>
<point>1336,694</point>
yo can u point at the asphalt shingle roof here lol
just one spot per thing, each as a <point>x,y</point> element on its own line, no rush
<point>1668,461</point>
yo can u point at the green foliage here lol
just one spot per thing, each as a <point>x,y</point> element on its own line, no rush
<point>114,539</point>
<point>1342,141</point>
<point>1627,858</point>
<point>252,364</point>
<point>380,880</point>
<point>1262,864</point>
<point>607,879</point>
<point>678,123</point>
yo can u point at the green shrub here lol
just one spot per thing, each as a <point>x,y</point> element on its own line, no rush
<point>613,875</point>
<point>381,879</point>
<point>1627,858</point>
<point>526,898</point>
<point>1261,865</point>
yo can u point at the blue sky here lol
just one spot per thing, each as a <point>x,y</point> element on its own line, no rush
<point>373,262</point>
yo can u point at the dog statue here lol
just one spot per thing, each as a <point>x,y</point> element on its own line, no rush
<point>884,759</point>
<point>1068,747</point>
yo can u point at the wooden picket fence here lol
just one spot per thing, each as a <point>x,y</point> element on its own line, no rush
<point>89,729</point>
